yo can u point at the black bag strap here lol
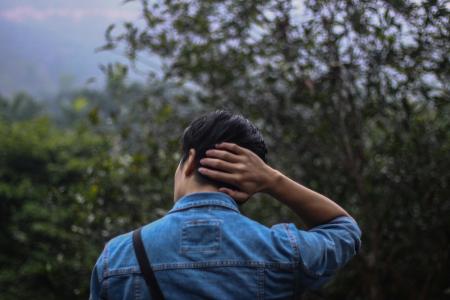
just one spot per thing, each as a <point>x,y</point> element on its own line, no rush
<point>144,264</point>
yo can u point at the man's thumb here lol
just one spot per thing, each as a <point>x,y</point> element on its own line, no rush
<point>240,197</point>
<point>227,191</point>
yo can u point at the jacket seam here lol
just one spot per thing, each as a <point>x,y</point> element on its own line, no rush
<point>293,243</point>
<point>297,251</point>
<point>204,203</point>
<point>260,283</point>
<point>198,265</point>
<point>136,287</point>
<point>106,269</point>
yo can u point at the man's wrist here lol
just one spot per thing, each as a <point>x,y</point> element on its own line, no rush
<point>274,178</point>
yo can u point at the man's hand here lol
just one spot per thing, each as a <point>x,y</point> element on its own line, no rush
<point>238,166</point>
<point>250,174</point>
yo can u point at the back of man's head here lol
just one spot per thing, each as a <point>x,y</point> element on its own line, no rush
<point>216,127</point>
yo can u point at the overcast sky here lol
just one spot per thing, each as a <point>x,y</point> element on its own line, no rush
<point>46,44</point>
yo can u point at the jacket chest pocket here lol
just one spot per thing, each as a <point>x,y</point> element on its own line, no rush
<point>201,235</point>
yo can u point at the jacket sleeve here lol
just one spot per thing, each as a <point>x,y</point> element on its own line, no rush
<point>323,249</point>
<point>95,292</point>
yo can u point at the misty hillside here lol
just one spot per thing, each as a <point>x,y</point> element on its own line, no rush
<point>50,45</point>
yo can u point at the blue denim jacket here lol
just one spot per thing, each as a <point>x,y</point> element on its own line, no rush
<point>203,248</point>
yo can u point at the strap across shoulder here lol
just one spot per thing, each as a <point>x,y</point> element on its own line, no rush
<point>144,264</point>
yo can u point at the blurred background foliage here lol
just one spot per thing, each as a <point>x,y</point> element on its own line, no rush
<point>352,98</point>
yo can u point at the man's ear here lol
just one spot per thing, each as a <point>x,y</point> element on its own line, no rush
<point>190,163</point>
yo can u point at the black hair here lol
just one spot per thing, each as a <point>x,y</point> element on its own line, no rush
<point>216,127</point>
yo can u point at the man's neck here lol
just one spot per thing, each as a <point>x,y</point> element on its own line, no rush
<point>198,189</point>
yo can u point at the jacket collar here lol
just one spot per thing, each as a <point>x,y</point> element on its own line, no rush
<point>197,199</point>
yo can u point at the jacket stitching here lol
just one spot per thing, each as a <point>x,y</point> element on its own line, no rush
<point>214,247</point>
<point>204,203</point>
<point>260,283</point>
<point>197,265</point>
<point>298,256</point>
<point>136,287</point>
<point>106,269</point>
<point>293,243</point>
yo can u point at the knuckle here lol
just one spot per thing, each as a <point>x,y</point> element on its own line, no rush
<point>214,153</point>
<point>239,177</point>
<point>212,173</point>
<point>241,167</point>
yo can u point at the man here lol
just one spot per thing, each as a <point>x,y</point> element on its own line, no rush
<point>204,248</point>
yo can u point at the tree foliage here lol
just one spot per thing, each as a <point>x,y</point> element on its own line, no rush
<point>353,101</point>
<point>64,193</point>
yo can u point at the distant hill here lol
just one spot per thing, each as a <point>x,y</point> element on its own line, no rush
<point>43,56</point>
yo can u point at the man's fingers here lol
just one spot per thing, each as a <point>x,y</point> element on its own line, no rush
<point>218,175</point>
<point>237,195</point>
<point>223,154</point>
<point>232,147</point>
<point>219,164</point>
